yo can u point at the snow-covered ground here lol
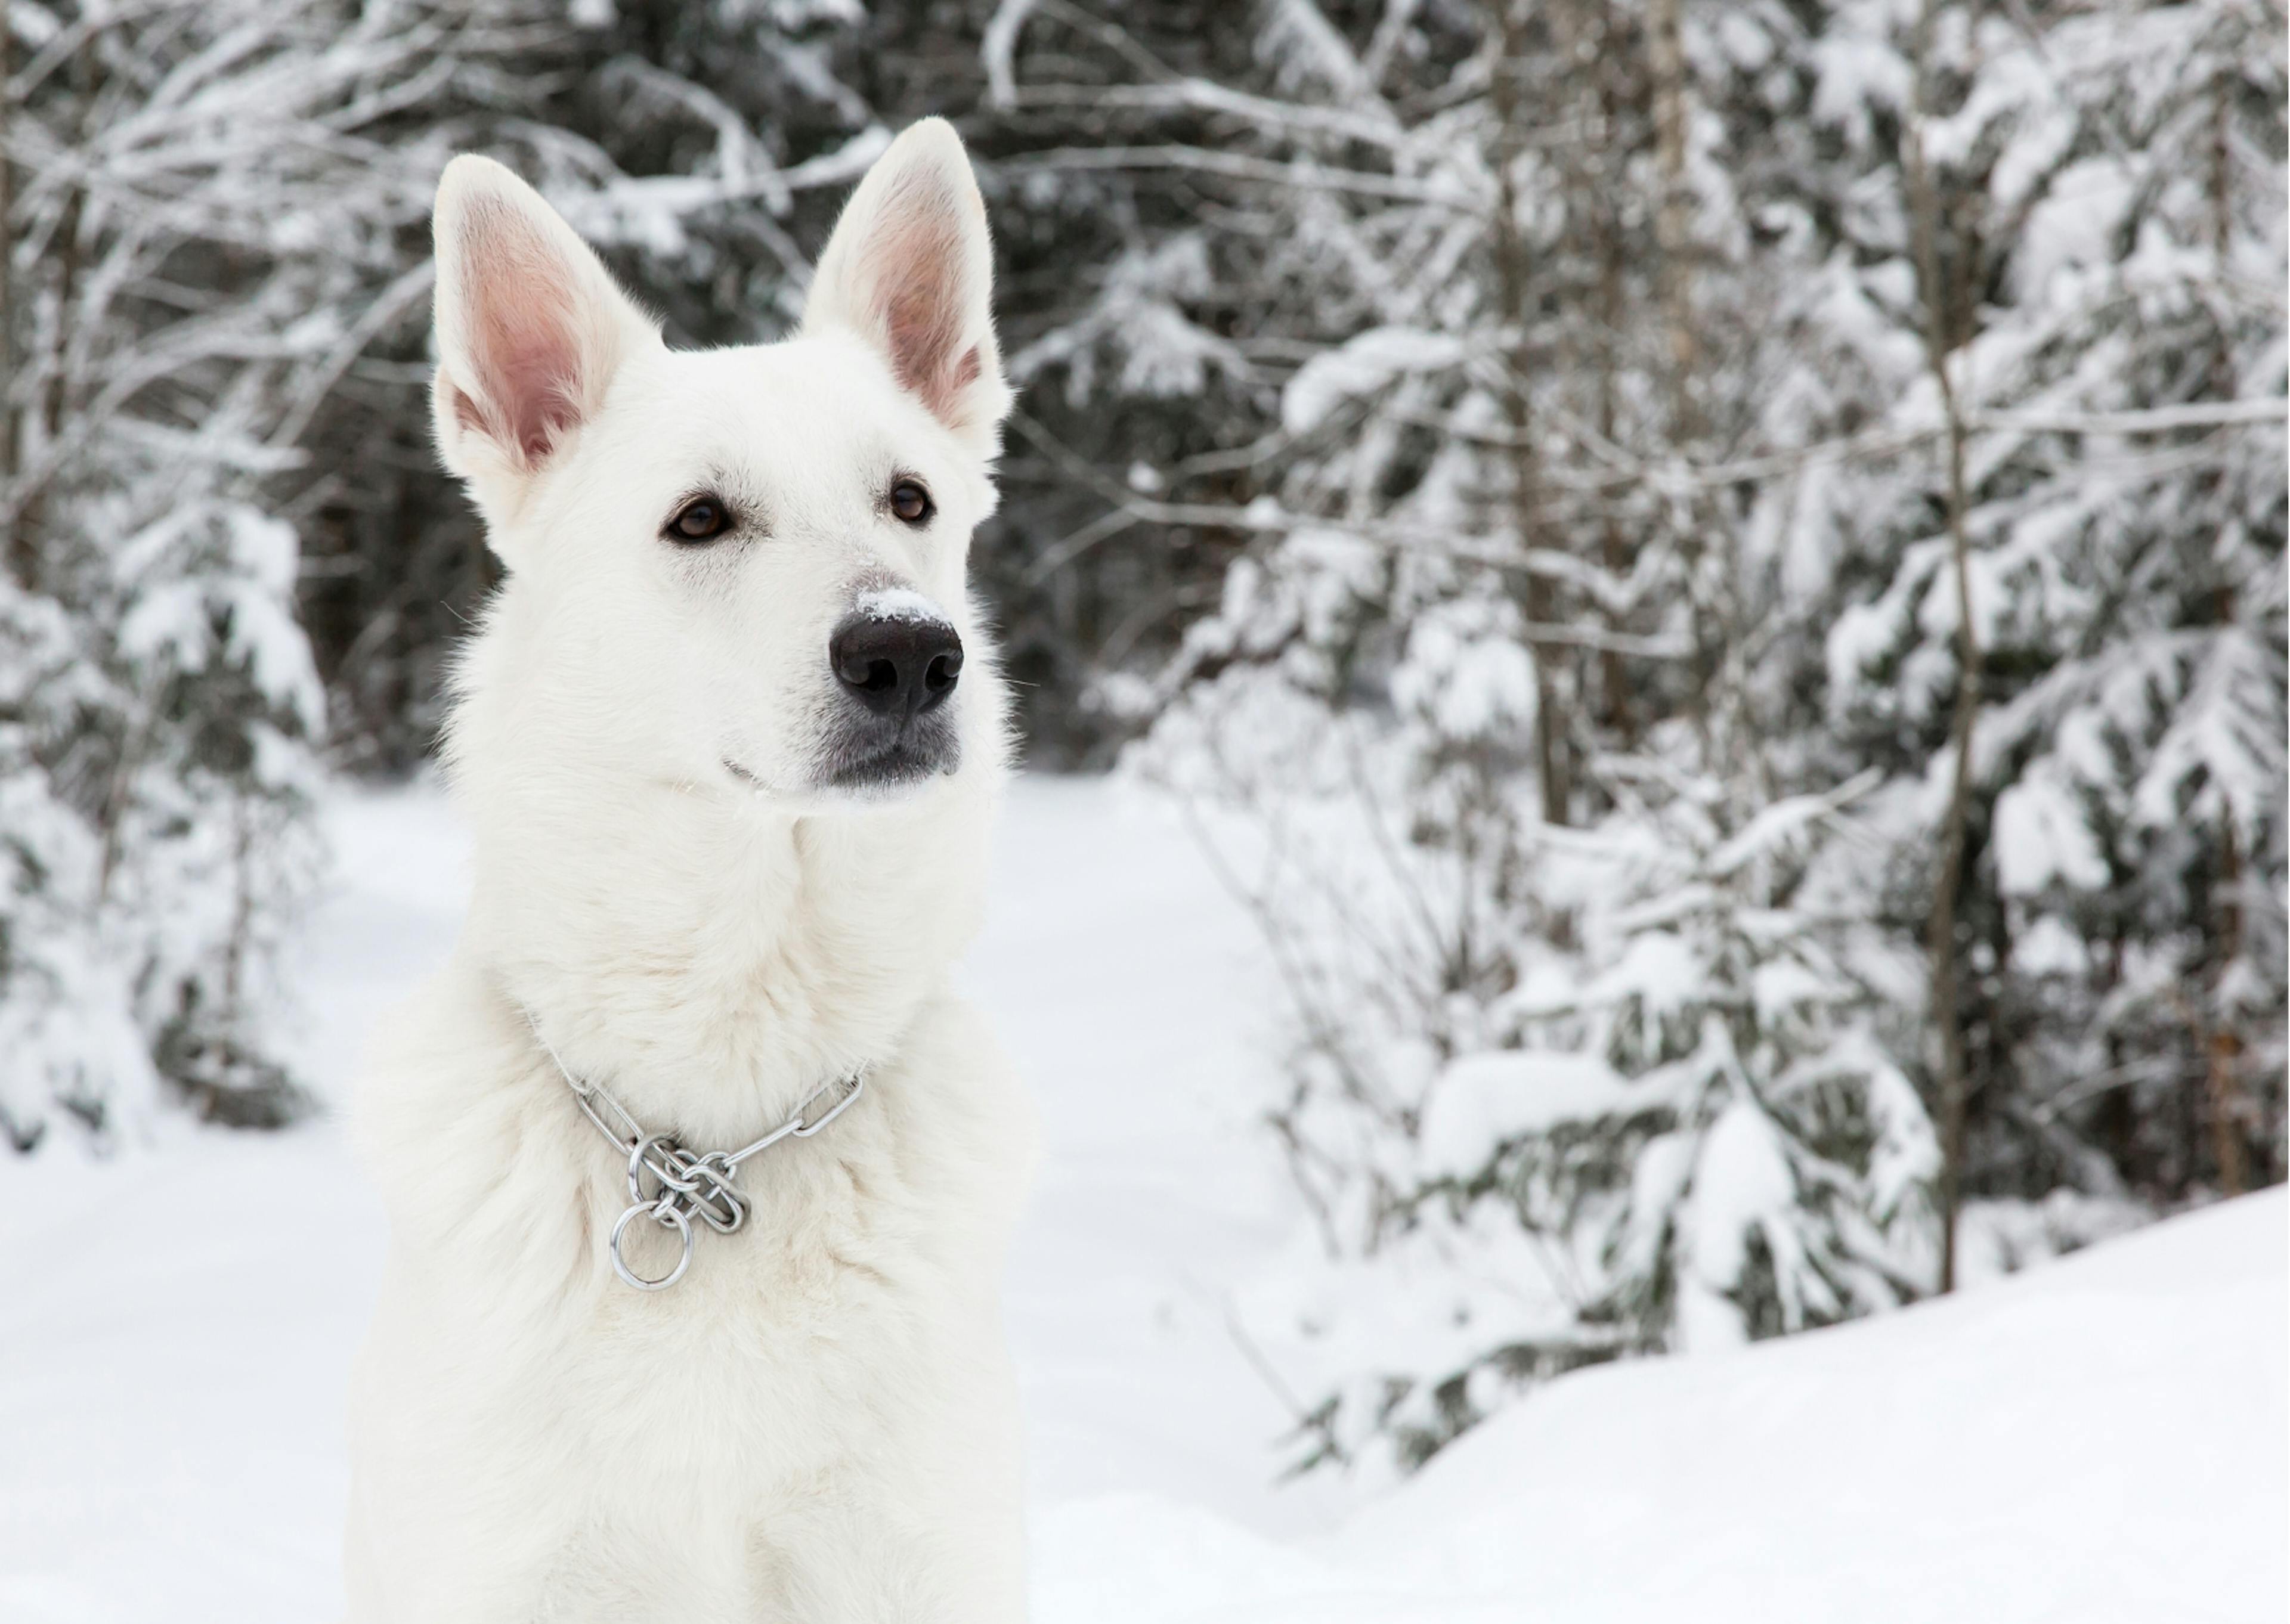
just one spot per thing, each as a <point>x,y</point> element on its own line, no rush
<point>2103,1439</point>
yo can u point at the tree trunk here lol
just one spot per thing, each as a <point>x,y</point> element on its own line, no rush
<point>14,544</point>
<point>1511,271</point>
<point>2225,1046</point>
<point>1940,934</point>
<point>1718,697</point>
<point>1615,549</point>
<point>30,508</point>
<point>1666,55</point>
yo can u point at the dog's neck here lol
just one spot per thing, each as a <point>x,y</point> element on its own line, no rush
<point>709,958</point>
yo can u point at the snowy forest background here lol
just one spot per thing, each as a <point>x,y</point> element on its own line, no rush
<point>1713,570</point>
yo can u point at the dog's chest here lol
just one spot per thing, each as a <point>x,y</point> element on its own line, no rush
<point>521,1412</point>
<point>823,1356</point>
<point>763,1369</point>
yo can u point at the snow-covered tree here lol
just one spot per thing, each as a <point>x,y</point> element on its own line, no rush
<point>1604,537</point>
<point>66,1021</point>
<point>1576,1055</point>
<point>197,213</point>
<point>2104,289</point>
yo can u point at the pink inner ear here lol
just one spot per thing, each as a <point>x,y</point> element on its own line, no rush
<point>915,267</point>
<point>523,334</point>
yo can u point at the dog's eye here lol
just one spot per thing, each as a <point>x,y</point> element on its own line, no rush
<point>701,519</point>
<point>910,501</point>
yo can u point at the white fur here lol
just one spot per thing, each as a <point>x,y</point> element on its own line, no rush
<point>817,1424</point>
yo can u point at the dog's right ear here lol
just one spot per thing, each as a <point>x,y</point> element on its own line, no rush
<point>531,329</point>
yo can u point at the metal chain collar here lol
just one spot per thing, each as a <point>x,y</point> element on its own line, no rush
<point>687,1185</point>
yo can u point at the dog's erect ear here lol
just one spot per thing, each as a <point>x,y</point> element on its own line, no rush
<point>530,326</point>
<point>911,269</point>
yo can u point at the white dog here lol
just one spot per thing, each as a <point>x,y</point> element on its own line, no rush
<point>730,739</point>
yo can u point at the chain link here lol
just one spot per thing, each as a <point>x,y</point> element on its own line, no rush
<point>683,1185</point>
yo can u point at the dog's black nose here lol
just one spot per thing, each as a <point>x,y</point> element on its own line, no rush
<point>895,667</point>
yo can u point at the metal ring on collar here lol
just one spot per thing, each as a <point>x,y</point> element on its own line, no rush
<point>664,1213</point>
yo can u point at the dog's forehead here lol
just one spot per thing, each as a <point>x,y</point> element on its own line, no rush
<point>804,413</point>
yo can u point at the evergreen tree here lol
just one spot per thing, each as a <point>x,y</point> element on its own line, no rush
<point>2105,286</point>
<point>1610,529</point>
<point>196,202</point>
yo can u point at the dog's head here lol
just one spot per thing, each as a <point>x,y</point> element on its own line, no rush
<point>741,562</point>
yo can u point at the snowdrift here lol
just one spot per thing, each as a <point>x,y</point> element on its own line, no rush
<point>2100,1439</point>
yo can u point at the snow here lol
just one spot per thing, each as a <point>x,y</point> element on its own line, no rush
<point>1360,367</point>
<point>1742,1182</point>
<point>1466,672</point>
<point>1506,1093</point>
<point>2100,1439</point>
<point>2042,834</point>
<point>900,604</point>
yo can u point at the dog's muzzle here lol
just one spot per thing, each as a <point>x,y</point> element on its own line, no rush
<point>896,676</point>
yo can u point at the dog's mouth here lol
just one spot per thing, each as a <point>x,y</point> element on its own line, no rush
<point>869,759</point>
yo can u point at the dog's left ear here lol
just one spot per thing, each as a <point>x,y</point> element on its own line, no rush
<point>911,269</point>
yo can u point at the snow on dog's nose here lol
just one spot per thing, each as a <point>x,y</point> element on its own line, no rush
<point>897,664</point>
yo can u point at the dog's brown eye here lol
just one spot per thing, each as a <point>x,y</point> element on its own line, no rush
<point>910,501</point>
<point>701,520</point>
